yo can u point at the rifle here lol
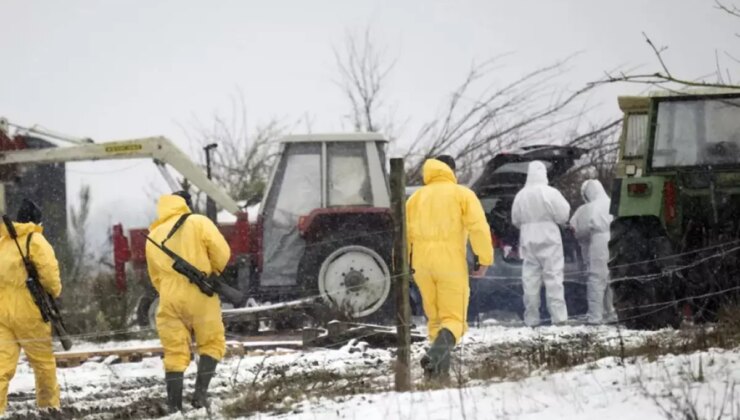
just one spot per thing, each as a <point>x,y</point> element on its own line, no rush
<point>46,304</point>
<point>208,284</point>
<point>476,263</point>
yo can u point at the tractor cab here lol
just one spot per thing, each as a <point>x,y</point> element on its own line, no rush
<point>326,196</point>
<point>675,197</point>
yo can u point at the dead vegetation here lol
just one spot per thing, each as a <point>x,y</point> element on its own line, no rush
<point>280,389</point>
<point>516,361</point>
<point>283,390</point>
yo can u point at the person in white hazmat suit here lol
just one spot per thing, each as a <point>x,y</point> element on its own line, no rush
<point>537,211</point>
<point>591,224</point>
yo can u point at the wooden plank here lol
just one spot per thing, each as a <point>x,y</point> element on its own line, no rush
<point>132,355</point>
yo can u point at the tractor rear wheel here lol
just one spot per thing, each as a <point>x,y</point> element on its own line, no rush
<point>350,271</point>
<point>644,295</point>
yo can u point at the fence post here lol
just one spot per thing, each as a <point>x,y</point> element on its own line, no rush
<point>400,274</point>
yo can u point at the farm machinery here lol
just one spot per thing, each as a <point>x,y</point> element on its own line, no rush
<point>676,200</point>
<point>322,238</point>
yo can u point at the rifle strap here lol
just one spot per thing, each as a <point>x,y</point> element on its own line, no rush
<point>28,246</point>
<point>176,226</point>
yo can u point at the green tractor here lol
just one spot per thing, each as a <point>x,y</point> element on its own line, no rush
<point>675,238</point>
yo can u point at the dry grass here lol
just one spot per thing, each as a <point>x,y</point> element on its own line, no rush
<point>280,393</point>
<point>514,362</point>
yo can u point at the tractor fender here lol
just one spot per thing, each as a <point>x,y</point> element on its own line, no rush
<point>321,223</point>
<point>639,197</point>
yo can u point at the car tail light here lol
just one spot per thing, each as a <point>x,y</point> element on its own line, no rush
<point>669,201</point>
<point>641,188</point>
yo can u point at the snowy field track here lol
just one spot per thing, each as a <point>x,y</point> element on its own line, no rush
<point>499,371</point>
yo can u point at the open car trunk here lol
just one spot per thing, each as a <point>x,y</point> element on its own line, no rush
<point>504,176</point>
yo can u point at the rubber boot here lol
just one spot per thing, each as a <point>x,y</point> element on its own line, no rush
<point>174,391</point>
<point>436,363</point>
<point>206,370</point>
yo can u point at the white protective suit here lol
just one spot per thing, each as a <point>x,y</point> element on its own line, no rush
<point>591,224</point>
<point>537,211</point>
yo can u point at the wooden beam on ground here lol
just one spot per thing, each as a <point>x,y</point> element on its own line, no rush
<point>128,355</point>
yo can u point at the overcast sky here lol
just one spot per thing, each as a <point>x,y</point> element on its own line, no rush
<point>120,69</point>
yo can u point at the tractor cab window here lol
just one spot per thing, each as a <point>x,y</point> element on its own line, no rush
<point>697,133</point>
<point>348,173</point>
<point>636,135</point>
<point>297,188</point>
<point>295,192</point>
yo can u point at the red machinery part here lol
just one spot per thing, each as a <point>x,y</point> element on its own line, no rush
<point>240,242</point>
<point>121,255</point>
<point>241,237</point>
<point>669,201</point>
<point>9,172</point>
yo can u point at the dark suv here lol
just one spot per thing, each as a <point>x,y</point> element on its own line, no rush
<point>502,178</point>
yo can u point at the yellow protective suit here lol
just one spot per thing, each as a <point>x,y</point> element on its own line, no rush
<point>21,325</point>
<point>183,308</point>
<point>439,218</point>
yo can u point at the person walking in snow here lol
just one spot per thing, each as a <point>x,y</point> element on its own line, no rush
<point>183,308</point>
<point>591,223</point>
<point>21,324</point>
<point>537,211</point>
<point>440,217</point>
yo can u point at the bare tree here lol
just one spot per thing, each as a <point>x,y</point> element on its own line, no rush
<point>666,79</point>
<point>243,158</point>
<point>482,118</point>
<point>599,162</point>
<point>79,265</point>
<point>363,72</point>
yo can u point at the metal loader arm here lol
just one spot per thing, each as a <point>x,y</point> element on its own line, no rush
<point>158,148</point>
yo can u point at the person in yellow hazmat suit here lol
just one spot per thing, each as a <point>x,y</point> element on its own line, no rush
<point>21,324</point>
<point>183,308</point>
<point>441,217</point>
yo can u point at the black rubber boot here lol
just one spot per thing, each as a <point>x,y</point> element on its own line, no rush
<point>436,363</point>
<point>173,382</point>
<point>426,364</point>
<point>206,370</point>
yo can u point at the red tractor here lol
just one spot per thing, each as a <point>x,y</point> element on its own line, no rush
<point>323,233</point>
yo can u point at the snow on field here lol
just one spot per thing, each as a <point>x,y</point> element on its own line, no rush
<point>603,389</point>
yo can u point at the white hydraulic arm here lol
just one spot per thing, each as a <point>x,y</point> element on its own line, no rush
<point>160,149</point>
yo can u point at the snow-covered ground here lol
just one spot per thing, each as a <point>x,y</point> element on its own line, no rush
<point>604,388</point>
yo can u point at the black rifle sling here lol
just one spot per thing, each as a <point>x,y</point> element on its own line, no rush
<point>176,227</point>
<point>28,246</point>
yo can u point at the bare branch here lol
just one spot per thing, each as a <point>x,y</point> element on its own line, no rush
<point>363,71</point>
<point>658,53</point>
<point>731,10</point>
<point>665,78</point>
<point>482,118</point>
<point>242,161</point>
